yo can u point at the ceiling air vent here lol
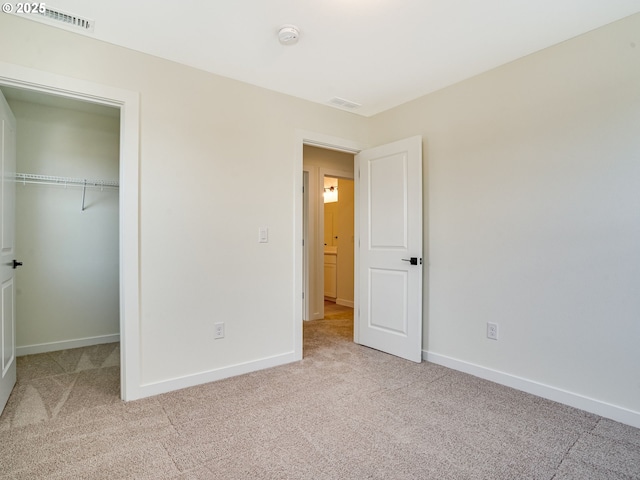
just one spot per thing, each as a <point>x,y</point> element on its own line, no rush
<point>59,18</point>
<point>341,102</point>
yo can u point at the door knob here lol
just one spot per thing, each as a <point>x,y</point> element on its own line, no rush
<point>412,260</point>
<point>16,264</point>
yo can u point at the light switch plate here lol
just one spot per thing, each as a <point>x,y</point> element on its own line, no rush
<point>263,235</point>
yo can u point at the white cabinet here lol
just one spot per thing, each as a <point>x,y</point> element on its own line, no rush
<point>330,275</point>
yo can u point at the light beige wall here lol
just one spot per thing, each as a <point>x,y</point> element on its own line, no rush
<point>532,174</point>
<point>68,287</point>
<point>205,141</point>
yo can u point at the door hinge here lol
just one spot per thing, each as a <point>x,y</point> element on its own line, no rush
<point>303,242</point>
<point>303,295</point>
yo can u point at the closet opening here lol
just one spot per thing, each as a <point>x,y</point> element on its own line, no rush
<point>67,205</point>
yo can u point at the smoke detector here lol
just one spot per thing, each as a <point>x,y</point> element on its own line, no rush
<point>288,34</point>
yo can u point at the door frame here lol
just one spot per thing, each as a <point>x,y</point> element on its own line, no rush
<point>329,142</point>
<point>129,263</point>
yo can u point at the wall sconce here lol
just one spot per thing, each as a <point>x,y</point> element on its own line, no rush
<point>331,194</point>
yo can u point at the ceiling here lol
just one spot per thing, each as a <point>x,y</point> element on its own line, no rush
<point>377,53</point>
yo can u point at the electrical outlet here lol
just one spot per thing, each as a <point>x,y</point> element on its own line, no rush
<point>218,330</point>
<point>492,331</point>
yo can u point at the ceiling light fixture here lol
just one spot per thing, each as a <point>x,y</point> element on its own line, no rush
<point>288,34</point>
<point>330,194</point>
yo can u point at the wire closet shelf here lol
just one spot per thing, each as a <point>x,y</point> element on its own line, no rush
<point>25,178</point>
<point>64,181</point>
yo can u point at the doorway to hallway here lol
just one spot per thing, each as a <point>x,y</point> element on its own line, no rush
<point>388,264</point>
<point>329,224</point>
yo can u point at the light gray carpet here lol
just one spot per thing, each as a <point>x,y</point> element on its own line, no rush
<point>344,412</point>
<point>51,385</point>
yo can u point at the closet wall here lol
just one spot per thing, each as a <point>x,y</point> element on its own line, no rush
<point>68,288</point>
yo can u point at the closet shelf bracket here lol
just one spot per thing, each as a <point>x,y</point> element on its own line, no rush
<point>84,192</point>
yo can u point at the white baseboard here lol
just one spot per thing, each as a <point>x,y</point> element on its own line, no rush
<point>66,344</point>
<point>607,410</point>
<point>344,303</point>
<point>150,389</point>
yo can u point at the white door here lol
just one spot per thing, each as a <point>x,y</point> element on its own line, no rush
<point>390,252</point>
<point>7,253</point>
